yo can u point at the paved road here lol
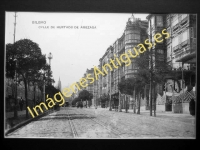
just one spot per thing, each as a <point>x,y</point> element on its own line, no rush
<point>101,123</point>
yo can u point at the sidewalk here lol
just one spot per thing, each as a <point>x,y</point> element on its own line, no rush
<point>185,118</point>
<point>10,121</point>
<point>11,114</point>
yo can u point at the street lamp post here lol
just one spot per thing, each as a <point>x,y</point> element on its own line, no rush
<point>50,56</point>
<point>43,78</point>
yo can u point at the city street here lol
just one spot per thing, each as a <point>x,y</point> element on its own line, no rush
<point>71,122</point>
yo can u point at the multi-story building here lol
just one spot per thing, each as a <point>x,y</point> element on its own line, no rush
<point>91,88</point>
<point>134,33</point>
<point>104,84</point>
<point>179,51</point>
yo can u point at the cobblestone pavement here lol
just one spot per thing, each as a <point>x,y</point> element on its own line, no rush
<point>143,126</point>
<point>101,123</point>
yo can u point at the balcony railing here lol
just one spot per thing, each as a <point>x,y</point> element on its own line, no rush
<point>176,48</point>
<point>176,27</point>
<point>184,21</point>
<point>186,42</point>
<point>183,53</point>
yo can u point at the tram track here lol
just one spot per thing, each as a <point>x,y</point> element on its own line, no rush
<point>74,132</point>
<point>130,125</point>
<point>112,129</point>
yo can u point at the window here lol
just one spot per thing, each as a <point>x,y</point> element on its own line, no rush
<point>168,53</point>
<point>149,26</point>
<point>175,41</point>
<point>152,21</point>
<point>159,20</point>
<point>132,32</point>
<point>160,51</point>
<point>180,38</point>
<point>179,17</point>
<point>127,47</point>
<point>168,22</point>
<point>184,16</point>
<point>174,20</point>
<point>129,67</point>
<point>132,38</point>
<point>185,35</point>
<point>191,32</point>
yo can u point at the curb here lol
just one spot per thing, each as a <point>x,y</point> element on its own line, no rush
<point>28,121</point>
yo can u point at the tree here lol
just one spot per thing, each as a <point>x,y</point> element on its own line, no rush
<point>51,91</point>
<point>11,72</point>
<point>85,95</point>
<point>152,68</point>
<point>74,101</point>
<point>29,60</point>
<point>33,79</point>
<point>126,87</point>
<point>10,61</point>
<point>103,99</point>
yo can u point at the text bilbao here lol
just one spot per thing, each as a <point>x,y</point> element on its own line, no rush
<point>124,58</point>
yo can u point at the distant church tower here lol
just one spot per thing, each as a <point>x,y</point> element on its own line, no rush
<point>59,84</point>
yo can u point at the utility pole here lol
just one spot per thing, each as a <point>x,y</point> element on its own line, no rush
<point>150,71</point>
<point>110,109</point>
<point>15,109</point>
<point>15,26</point>
<point>119,107</point>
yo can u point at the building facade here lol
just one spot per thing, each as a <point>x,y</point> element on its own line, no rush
<point>134,33</point>
<point>178,52</point>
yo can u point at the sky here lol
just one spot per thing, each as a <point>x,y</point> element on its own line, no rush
<point>73,49</point>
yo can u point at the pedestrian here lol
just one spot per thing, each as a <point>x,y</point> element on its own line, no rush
<point>81,104</point>
<point>77,104</point>
<point>21,103</point>
<point>192,107</point>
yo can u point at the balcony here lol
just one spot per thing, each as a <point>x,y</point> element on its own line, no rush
<point>176,48</point>
<point>175,27</point>
<point>185,54</point>
<point>184,21</point>
<point>185,43</point>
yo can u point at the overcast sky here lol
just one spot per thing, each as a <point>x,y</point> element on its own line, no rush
<point>74,50</point>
